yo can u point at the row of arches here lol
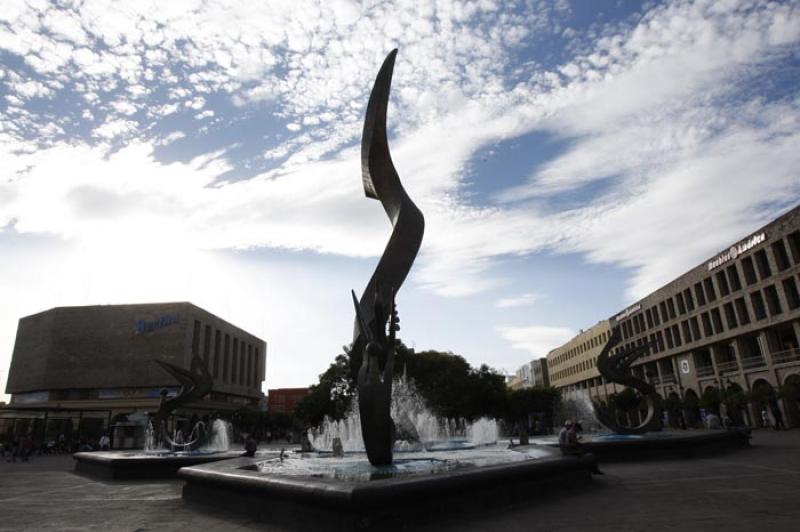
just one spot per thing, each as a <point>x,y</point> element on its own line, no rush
<point>741,407</point>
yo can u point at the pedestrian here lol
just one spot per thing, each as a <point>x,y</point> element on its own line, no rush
<point>777,414</point>
<point>562,435</point>
<point>26,446</point>
<point>250,446</point>
<point>105,442</point>
<point>764,418</point>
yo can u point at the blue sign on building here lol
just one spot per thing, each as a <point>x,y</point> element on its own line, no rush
<point>144,326</point>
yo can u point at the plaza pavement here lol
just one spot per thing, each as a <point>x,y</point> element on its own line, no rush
<point>744,490</point>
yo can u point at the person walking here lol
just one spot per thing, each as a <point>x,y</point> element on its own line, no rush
<point>26,446</point>
<point>777,414</point>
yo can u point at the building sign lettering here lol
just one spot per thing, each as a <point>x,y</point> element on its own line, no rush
<point>628,311</point>
<point>145,326</point>
<point>737,250</point>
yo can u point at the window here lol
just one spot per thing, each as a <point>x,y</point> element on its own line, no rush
<point>649,317</point>
<point>758,305</point>
<point>636,328</point>
<point>749,270</point>
<point>681,306</point>
<point>790,289</point>
<point>687,335</point>
<point>741,311</point>
<point>733,278</point>
<point>235,361</point>
<point>709,285</point>
<point>241,363</point>
<point>706,319</point>
<point>687,296</point>
<point>781,257</point>
<point>722,284</point>
<point>196,338</point>
<point>764,270</point>
<point>773,303</point>
<point>226,361</point>
<point>656,319</point>
<point>676,335</point>
<point>217,353</point>
<point>671,308</point>
<point>695,328</point>
<point>663,307</point>
<point>794,245</point>
<point>730,316</point>
<point>716,320</point>
<point>660,340</point>
<point>668,334</point>
<point>640,319</point>
<point>698,293</point>
<point>207,344</point>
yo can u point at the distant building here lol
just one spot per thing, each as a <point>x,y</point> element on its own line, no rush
<point>284,400</point>
<point>93,365</point>
<point>731,323</point>
<point>539,374</point>
<point>576,360</point>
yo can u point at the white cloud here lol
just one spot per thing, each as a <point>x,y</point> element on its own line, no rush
<point>537,340</point>
<point>522,300</point>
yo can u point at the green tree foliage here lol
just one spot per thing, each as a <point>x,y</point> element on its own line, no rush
<point>331,396</point>
<point>451,387</point>
<point>539,400</point>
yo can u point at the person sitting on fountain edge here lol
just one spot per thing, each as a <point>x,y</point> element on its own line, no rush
<point>569,444</point>
<point>250,446</point>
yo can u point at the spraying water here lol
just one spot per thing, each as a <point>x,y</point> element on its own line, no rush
<point>418,428</point>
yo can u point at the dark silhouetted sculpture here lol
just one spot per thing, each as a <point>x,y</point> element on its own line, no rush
<point>195,384</point>
<point>616,368</point>
<point>373,349</point>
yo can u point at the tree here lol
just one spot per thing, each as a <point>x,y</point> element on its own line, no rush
<point>526,401</point>
<point>331,396</point>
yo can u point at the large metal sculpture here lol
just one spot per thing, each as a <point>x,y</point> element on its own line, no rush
<point>196,383</point>
<point>373,347</point>
<point>616,368</point>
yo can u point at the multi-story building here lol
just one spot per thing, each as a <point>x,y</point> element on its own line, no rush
<point>575,362</point>
<point>284,400</point>
<point>730,323</point>
<point>94,364</point>
<point>539,374</point>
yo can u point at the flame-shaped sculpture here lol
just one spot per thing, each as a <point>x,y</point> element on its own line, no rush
<point>616,368</point>
<point>195,382</point>
<point>373,349</point>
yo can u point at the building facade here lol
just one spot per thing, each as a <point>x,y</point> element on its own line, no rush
<point>284,400</point>
<point>98,362</point>
<point>539,373</point>
<point>731,323</point>
<point>575,362</point>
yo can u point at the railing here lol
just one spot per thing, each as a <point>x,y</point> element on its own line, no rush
<point>727,367</point>
<point>705,371</point>
<point>783,357</point>
<point>753,362</point>
<point>668,379</point>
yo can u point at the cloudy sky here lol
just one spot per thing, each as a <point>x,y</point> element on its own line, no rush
<point>569,157</point>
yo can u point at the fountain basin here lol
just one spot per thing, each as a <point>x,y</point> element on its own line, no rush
<point>121,465</point>
<point>349,494</point>
<point>659,445</point>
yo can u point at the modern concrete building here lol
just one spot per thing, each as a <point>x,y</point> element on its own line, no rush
<point>731,322</point>
<point>576,361</point>
<point>533,373</point>
<point>95,364</point>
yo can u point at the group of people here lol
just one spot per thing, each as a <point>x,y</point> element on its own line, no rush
<point>21,448</point>
<point>777,415</point>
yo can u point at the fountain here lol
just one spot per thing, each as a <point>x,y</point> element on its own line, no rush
<point>646,440</point>
<point>165,452</point>
<point>353,479</point>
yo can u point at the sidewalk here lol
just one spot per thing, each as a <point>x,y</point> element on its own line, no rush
<point>741,491</point>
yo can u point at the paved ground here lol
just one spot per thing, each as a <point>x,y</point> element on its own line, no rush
<point>744,490</point>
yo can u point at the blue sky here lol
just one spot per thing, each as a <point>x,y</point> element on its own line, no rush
<point>570,157</point>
